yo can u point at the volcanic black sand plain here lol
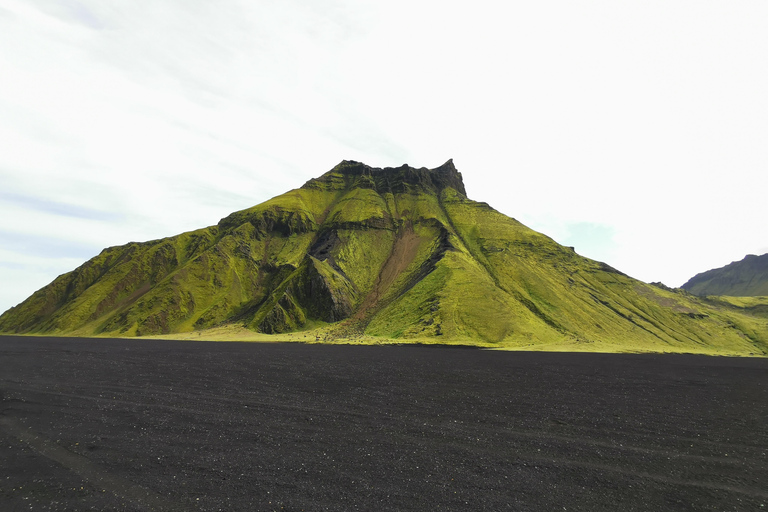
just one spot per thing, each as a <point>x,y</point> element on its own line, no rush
<point>130,425</point>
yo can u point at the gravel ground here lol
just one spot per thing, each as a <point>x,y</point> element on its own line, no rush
<point>135,425</point>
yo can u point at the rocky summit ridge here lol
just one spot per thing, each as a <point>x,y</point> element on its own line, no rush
<point>392,254</point>
<point>351,174</point>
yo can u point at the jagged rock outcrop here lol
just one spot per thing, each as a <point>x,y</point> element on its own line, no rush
<point>392,180</point>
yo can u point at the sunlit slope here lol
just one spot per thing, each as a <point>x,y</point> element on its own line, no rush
<point>584,301</point>
<point>396,253</point>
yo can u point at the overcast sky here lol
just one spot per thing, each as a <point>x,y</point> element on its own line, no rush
<point>636,131</point>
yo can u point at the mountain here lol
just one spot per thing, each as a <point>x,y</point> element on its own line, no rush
<point>745,278</point>
<point>381,254</point>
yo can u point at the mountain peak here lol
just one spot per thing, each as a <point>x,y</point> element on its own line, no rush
<point>352,174</point>
<point>382,254</point>
<point>748,277</point>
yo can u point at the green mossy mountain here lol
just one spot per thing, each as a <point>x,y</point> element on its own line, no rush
<point>745,278</point>
<point>392,254</point>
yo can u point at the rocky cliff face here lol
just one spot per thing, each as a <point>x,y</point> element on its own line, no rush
<point>390,180</point>
<point>396,253</point>
<point>745,278</point>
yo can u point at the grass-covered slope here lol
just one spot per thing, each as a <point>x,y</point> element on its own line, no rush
<point>745,278</point>
<point>382,254</point>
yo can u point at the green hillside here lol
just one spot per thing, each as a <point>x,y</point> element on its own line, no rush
<point>745,278</point>
<point>395,254</point>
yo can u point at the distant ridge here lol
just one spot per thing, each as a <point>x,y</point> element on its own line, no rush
<point>392,254</point>
<point>745,278</point>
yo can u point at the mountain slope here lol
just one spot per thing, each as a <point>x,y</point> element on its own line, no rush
<point>395,253</point>
<point>745,278</point>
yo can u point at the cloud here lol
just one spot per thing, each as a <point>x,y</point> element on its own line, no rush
<point>57,208</point>
<point>22,245</point>
<point>645,121</point>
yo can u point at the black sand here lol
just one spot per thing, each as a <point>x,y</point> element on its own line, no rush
<point>157,425</point>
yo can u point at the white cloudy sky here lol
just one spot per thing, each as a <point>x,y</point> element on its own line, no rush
<point>636,131</point>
